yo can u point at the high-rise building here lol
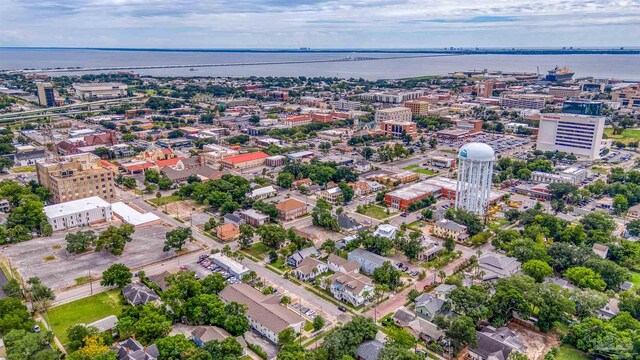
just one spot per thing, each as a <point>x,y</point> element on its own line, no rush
<point>399,128</point>
<point>475,170</point>
<point>418,107</point>
<point>45,94</point>
<point>393,114</point>
<point>576,134</point>
<point>76,177</point>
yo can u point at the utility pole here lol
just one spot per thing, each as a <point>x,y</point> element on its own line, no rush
<point>90,282</point>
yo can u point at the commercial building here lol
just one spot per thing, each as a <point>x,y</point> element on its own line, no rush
<point>245,161</point>
<point>290,209</point>
<point>76,177</point>
<point>402,198</point>
<point>475,170</point>
<point>571,176</point>
<point>523,101</point>
<point>628,97</point>
<point>443,162</point>
<point>275,160</point>
<point>582,107</point>
<point>401,114</point>
<point>567,92</point>
<point>46,96</point>
<point>134,217</point>
<point>332,195</point>
<point>97,91</point>
<point>254,217</point>
<point>345,105</point>
<point>418,107</point>
<point>262,193</point>
<point>83,212</point>
<point>398,129</point>
<point>485,88</point>
<point>580,135</point>
<point>265,314</point>
<point>228,264</point>
<point>298,120</point>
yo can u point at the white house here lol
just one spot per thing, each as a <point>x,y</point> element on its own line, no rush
<point>309,269</point>
<point>348,288</point>
<point>262,193</point>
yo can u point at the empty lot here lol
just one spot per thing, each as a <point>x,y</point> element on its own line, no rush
<point>48,259</point>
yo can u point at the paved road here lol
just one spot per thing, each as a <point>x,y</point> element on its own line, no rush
<point>3,282</point>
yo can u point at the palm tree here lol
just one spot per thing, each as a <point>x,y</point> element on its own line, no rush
<point>442,274</point>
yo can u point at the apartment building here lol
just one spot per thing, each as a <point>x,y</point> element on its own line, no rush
<point>392,97</point>
<point>76,177</point>
<point>291,209</point>
<point>368,261</point>
<point>398,129</point>
<point>580,135</point>
<point>298,120</point>
<point>418,107</point>
<point>46,95</point>
<point>345,105</point>
<point>401,114</point>
<point>332,195</point>
<point>447,228</point>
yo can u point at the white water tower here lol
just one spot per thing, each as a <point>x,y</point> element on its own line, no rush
<point>475,170</point>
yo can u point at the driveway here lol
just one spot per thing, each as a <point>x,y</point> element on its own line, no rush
<point>252,337</point>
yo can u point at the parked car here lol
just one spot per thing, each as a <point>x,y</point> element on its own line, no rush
<point>342,308</point>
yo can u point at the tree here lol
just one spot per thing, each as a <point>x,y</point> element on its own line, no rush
<point>471,302</point>
<point>588,302</point>
<point>318,323</point>
<point>213,283</point>
<point>412,248</point>
<point>400,338</point>
<point>449,244</point>
<point>175,347</point>
<point>462,332</point>
<point>29,213</point>
<point>164,183</point>
<point>433,142</point>
<point>344,340</point>
<point>285,300</point>
<point>152,176</point>
<point>347,192</point>
<point>286,336</point>
<point>537,269</point>
<point>272,235</point>
<point>246,236</point>
<point>94,348</point>
<point>585,278</point>
<point>612,274</point>
<point>80,241</point>
<point>229,348</point>
<point>633,227</point>
<point>597,220</point>
<point>176,238</point>
<point>114,238</point>
<point>14,315</point>
<point>117,274</point>
<point>39,294</point>
<point>387,275</point>
<point>12,289</point>
<point>21,344</point>
<point>76,335</point>
<point>620,204</point>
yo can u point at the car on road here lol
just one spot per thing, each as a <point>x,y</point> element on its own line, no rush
<point>183,267</point>
<point>342,308</point>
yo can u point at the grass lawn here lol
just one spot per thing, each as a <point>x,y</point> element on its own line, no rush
<point>84,311</point>
<point>416,225</point>
<point>566,352</point>
<point>441,260</point>
<point>258,250</point>
<point>416,169</point>
<point>374,211</point>
<point>23,169</point>
<point>628,135</point>
<point>308,326</point>
<point>163,200</point>
<point>635,279</point>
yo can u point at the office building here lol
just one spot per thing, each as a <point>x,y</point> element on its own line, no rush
<point>345,105</point>
<point>576,134</point>
<point>393,114</point>
<point>45,94</point>
<point>524,101</point>
<point>567,92</point>
<point>573,176</point>
<point>475,169</point>
<point>99,91</point>
<point>485,88</point>
<point>76,177</point>
<point>582,107</point>
<point>398,129</point>
<point>76,213</point>
<point>418,107</point>
<point>628,97</point>
<point>392,97</point>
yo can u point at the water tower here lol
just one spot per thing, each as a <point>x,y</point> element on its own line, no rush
<point>475,169</point>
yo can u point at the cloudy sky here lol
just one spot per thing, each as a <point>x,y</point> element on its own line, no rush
<point>319,23</point>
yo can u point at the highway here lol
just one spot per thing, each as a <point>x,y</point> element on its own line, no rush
<point>176,66</point>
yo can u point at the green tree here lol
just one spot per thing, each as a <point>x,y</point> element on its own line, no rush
<point>117,274</point>
<point>80,241</point>
<point>318,323</point>
<point>470,301</point>
<point>176,238</point>
<point>229,348</point>
<point>387,275</point>
<point>400,338</point>
<point>537,269</point>
<point>585,278</point>
<point>114,238</point>
<point>620,204</point>
<point>412,249</point>
<point>76,335</point>
<point>347,192</point>
<point>164,183</point>
<point>12,289</point>
<point>14,315</point>
<point>175,347</point>
<point>152,176</point>
<point>462,332</point>
<point>286,336</point>
<point>272,235</point>
<point>246,236</point>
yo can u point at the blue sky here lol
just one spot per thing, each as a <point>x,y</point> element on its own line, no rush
<point>319,23</point>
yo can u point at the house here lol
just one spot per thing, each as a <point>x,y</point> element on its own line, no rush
<point>370,350</point>
<point>339,264</point>
<point>332,195</point>
<point>600,250</point>
<point>131,349</point>
<point>302,182</point>
<point>290,209</point>
<point>262,193</point>
<point>610,310</point>
<point>105,324</point>
<point>296,258</point>
<point>449,229</point>
<point>386,231</point>
<point>496,266</point>
<point>348,288</point>
<point>309,269</point>
<point>362,166</point>
<point>264,313</point>
<point>349,224</point>
<point>203,334</point>
<point>425,330</point>
<point>430,249</point>
<point>227,232</point>
<point>496,344</point>
<point>233,218</point>
<point>254,217</point>
<point>139,294</point>
<point>403,317</point>
<point>442,291</point>
<point>368,261</point>
<point>428,306</point>
<point>160,280</point>
<point>634,212</point>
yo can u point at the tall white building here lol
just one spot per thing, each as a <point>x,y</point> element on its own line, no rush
<point>475,169</point>
<point>576,134</point>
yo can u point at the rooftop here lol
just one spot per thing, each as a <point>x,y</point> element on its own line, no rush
<point>75,206</point>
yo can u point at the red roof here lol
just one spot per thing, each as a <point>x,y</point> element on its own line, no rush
<point>299,118</point>
<point>168,162</point>
<point>246,157</point>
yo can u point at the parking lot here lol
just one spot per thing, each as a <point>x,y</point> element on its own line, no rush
<point>48,259</point>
